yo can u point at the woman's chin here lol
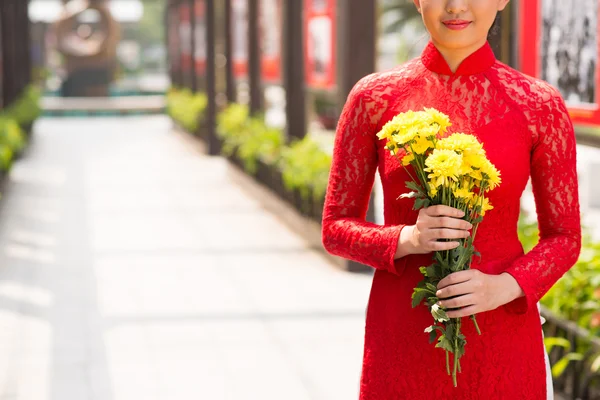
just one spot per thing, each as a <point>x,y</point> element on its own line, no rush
<point>458,40</point>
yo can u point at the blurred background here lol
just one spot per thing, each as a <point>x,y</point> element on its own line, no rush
<point>163,169</point>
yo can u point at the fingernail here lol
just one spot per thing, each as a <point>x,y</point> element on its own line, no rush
<point>438,293</point>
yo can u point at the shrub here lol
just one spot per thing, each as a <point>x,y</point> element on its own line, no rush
<point>186,108</point>
<point>249,137</point>
<point>26,108</point>
<point>11,141</point>
<point>305,166</point>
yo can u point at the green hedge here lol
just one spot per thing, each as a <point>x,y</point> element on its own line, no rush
<point>13,120</point>
<point>26,108</point>
<point>12,141</point>
<point>186,107</point>
<point>304,165</point>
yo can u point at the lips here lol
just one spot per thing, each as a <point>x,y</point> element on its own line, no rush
<point>457,24</point>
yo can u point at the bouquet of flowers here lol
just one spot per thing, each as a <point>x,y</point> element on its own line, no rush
<point>450,170</point>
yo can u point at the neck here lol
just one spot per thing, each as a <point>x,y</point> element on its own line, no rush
<point>455,56</point>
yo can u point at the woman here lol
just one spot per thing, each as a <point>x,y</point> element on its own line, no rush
<point>526,131</point>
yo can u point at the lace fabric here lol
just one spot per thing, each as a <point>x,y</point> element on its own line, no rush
<point>525,128</point>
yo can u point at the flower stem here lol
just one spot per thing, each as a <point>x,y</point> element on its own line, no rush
<point>476,325</point>
<point>455,366</point>
<point>447,362</point>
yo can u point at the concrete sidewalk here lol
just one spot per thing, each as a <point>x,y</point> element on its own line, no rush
<point>133,267</point>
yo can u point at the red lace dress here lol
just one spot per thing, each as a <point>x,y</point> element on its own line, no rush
<point>526,131</point>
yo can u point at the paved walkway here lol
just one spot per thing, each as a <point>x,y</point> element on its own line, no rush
<point>131,267</point>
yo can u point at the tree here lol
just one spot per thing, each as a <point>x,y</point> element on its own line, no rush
<point>397,13</point>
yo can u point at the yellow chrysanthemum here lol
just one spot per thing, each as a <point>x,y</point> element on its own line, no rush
<point>465,168</point>
<point>491,174</point>
<point>485,204</point>
<point>466,183</point>
<point>439,118</point>
<point>404,127</point>
<point>474,159</point>
<point>421,145</point>
<point>429,131</point>
<point>462,143</point>
<point>396,125</point>
<point>388,130</point>
<point>433,192</point>
<point>405,136</point>
<point>474,201</point>
<point>476,175</point>
<point>406,120</point>
<point>443,166</point>
<point>424,118</point>
<point>407,159</point>
<point>463,193</point>
<point>391,146</point>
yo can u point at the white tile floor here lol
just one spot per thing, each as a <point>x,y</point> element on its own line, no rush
<point>132,268</point>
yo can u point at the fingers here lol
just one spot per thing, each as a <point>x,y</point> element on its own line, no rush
<point>430,239</point>
<point>459,289</point>
<point>438,233</point>
<point>456,278</point>
<point>460,301</point>
<point>463,312</point>
<point>440,246</point>
<point>441,210</point>
<point>440,222</point>
<point>447,222</point>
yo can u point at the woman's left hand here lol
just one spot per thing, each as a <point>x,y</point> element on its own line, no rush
<point>472,291</point>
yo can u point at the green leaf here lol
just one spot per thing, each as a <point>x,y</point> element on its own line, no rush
<point>423,271</point>
<point>425,290</point>
<point>422,284</point>
<point>431,287</point>
<point>440,259</point>
<point>414,186</point>
<point>419,203</point>
<point>550,342</point>
<point>434,271</point>
<point>445,344</point>
<point>432,300</point>
<point>418,297</point>
<point>439,314</point>
<point>450,332</point>
<point>460,349</point>
<point>561,365</point>
<point>432,336</point>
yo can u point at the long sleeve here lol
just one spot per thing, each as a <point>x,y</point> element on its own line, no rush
<point>554,184</point>
<point>345,232</point>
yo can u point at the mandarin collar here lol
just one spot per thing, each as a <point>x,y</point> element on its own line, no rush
<point>478,62</point>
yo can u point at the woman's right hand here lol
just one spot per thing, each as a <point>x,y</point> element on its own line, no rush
<point>433,223</point>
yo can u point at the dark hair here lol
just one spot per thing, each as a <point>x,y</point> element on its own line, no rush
<point>495,29</point>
